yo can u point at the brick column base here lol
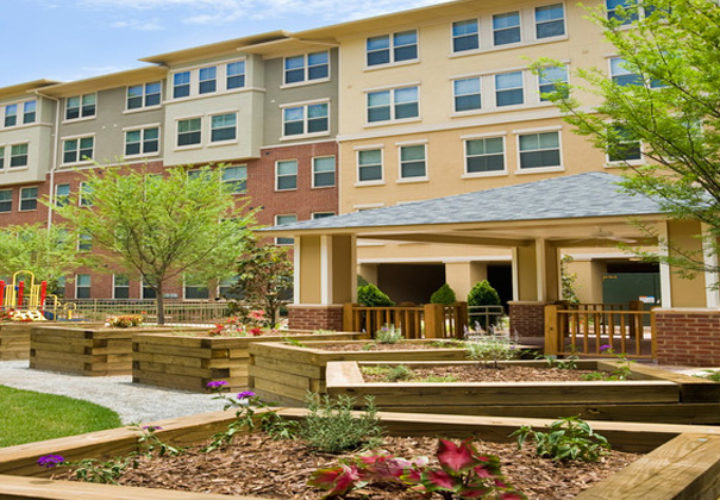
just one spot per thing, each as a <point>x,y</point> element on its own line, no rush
<point>688,337</point>
<point>310,317</point>
<point>527,318</point>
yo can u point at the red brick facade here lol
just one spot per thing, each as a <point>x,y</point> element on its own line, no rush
<point>303,317</point>
<point>303,202</point>
<point>527,319</point>
<point>688,337</point>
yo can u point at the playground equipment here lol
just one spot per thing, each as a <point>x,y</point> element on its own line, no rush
<point>27,300</point>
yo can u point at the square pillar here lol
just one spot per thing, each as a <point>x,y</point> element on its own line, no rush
<point>682,237</point>
<point>462,276</point>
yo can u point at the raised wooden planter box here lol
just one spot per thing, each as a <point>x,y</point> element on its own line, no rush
<point>190,362</point>
<point>15,337</point>
<point>682,461</point>
<point>285,373</point>
<point>651,394</point>
<point>91,351</point>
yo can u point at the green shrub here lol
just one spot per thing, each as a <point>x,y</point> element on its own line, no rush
<point>569,438</point>
<point>483,294</point>
<point>491,349</point>
<point>443,295</point>
<point>331,427</point>
<point>399,372</point>
<point>371,296</point>
<point>362,281</point>
<point>388,334</point>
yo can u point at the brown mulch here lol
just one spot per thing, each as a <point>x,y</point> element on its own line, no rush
<point>257,465</point>
<point>488,373</point>
<point>400,346</point>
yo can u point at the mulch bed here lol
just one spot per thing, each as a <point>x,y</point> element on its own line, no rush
<point>257,465</point>
<point>487,373</point>
<point>400,346</point>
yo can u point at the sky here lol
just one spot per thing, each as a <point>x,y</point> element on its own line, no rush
<point>68,40</point>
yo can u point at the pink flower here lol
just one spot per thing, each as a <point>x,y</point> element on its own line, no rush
<point>257,314</point>
<point>256,332</point>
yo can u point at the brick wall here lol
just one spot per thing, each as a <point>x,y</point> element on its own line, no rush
<point>688,337</point>
<point>527,319</point>
<point>302,317</point>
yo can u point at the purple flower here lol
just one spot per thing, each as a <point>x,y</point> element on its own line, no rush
<point>152,428</point>
<point>50,461</point>
<point>245,394</point>
<point>605,347</point>
<point>216,384</point>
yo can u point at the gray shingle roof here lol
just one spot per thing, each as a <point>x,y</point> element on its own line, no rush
<point>592,194</point>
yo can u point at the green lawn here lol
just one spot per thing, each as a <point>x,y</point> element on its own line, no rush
<point>27,416</point>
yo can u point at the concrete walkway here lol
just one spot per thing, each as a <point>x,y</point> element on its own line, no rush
<point>135,403</point>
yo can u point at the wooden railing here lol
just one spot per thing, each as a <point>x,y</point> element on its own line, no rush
<point>426,321</point>
<point>599,332</point>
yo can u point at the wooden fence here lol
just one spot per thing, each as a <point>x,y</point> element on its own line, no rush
<point>600,331</point>
<point>426,321</point>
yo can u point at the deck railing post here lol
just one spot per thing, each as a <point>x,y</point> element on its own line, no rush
<point>552,340</point>
<point>462,319</point>
<point>434,318</point>
<point>348,325</point>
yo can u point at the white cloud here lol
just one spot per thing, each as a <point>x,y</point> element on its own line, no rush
<point>138,25</point>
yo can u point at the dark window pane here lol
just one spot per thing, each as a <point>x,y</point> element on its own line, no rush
<point>485,163</point>
<point>223,134</point>
<point>538,159</point>
<point>188,138</point>
<point>626,152</point>
<point>413,169</point>
<point>88,110</point>
<point>379,114</point>
<point>29,117</point>
<point>373,173</point>
<point>631,79</point>
<point>235,82</point>
<point>293,128</point>
<point>122,292</point>
<point>317,125</point>
<point>72,113</point>
<point>132,149</point>
<point>148,293</point>
<point>181,91</point>
<point>287,182</point>
<point>409,110</point>
<point>196,292</point>
<point>503,37</point>
<point>406,53</point>
<point>325,179</point>
<point>135,102</point>
<point>379,57</point>
<point>151,146</point>
<point>554,28</point>
<point>509,97</point>
<point>467,102</point>
<point>294,75</point>
<point>207,86</point>
<point>69,157</point>
<point>83,292</point>
<point>469,42</point>
<point>317,72</point>
<point>10,121</point>
<point>152,100</point>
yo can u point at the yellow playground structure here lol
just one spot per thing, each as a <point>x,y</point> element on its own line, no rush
<point>27,298</point>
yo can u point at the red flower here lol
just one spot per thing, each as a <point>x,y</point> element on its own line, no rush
<point>455,458</point>
<point>255,332</point>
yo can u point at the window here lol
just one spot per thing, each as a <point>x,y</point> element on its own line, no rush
<point>322,215</point>
<point>509,89</point>
<point>28,198</point>
<point>62,194</point>
<point>281,220</point>
<point>506,28</point>
<point>6,200</point>
<point>78,150</point>
<point>29,111</point>
<point>236,178</point>
<point>484,155</point>
<point>85,198</point>
<point>467,94</point>
<point>139,96</point>
<point>626,148</point>
<point>622,74</point>
<point>188,132</point>
<point>196,289</point>
<point>540,150</point>
<point>235,73</point>
<point>465,35</point>
<point>82,286</point>
<point>84,243</point>
<point>148,292</point>
<point>223,127</point>
<point>60,287</point>
<point>286,175</point>
<point>121,286</point>
<point>208,81</point>
<point>309,119</point>
<point>80,106</point>
<point>549,21</point>
<point>181,84</point>
<point>2,157</point>
<point>11,115</point>
<point>412,161</point>
<point>18,155</point>
<point>626,17</point>
<point>142,142</point>
<point>393,48</point>
<point>226,284</point>
<point>394,104</point>
<point>315,66</point>
<point>370,165</point>
<point>323,171</point>
<point>549,77</point>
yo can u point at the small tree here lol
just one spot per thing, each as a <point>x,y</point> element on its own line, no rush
<point>371,296</point>
<point>264,275</point>
<point>443,295</point>
<point>483,294</point>
<point>48,253</point>
<point>162,226</point>
<point>569,280</point>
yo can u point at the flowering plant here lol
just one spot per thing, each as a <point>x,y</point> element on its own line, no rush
<point>251,325</point>
<point>124,321</point>
<point>463,474</point>
<point>22,316</point>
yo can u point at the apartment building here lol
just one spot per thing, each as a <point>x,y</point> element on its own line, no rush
<point>397,108</point>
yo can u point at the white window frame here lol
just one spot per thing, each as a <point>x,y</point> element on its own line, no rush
<point>20,199</point>
<point>306,70</point>
<point>537,170</point>
<point>8,162</point>
<point>406,180</point>
<point>214,79</point>
<point>77,138</point>
<point>284,237</point>
<point>81,241</point>
<point>537,81</point>
<point>142,129</point>
<point>210,128</point>
<point>455,111</point>
<point>177,133</point>
<point>391,48</point>
<point>519,26</point>
<point>185,285</point>
<point>277,177</point>
<point>496,90</point>
<point>5,201</point>
<point>81,190</point>
<point>392,105</point>
<point>115,286</point>
<point>454,52</point>
<point>304,105</point>
<point>81,117</point>
<point>171,83</point>
<point>19,114</point>
<point>225,76</point>
<point>374,182</point>
<point>57,195</point>
<point>243,165</point>
<point>620,163</point>
<point>77,284</point>
<point>312,215</point>
<point>641,14</point>
<point>312,174</point>
<point>535,23</point>
<point>491,173</point>
<point>143,107</point>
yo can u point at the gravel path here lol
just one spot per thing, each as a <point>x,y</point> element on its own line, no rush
<point>133,402</point>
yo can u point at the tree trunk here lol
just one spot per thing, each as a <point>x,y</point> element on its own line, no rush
<point>160,304</point>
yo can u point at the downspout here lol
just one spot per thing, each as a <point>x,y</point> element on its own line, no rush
<point>53,166</point>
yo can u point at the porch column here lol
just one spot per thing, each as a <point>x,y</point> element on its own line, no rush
<point>711,278</point>
<point>325,279</point>
<point>462,276</point>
